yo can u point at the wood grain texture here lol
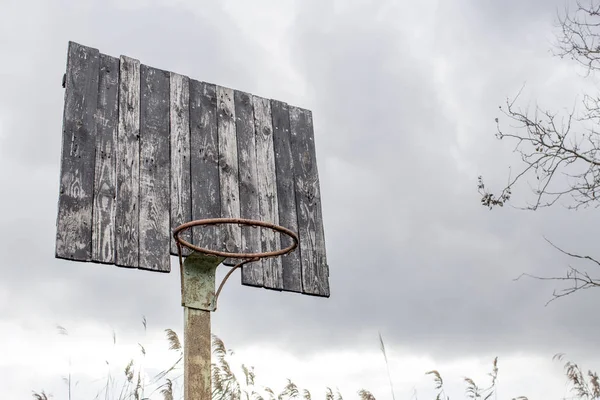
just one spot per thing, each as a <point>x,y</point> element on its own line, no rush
<point>315,272</point>
<point>74,222</point>
<point>105,180</point>
<point>252,274</point>
<point>181,202</point>
<point>228,168</point>
<point>128,165</point>
<point>267,191</point>
<point>155,167</point>
<point>204,153</point>
<point>145,150</point>
<point>286,194</point>
<point>196,354</point>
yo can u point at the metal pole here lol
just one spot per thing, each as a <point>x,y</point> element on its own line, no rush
<point>198,299</point>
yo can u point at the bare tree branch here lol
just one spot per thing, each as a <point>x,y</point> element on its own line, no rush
<point>579,38</point>
<point>561,150</point>
<point>579,280</point>
<point>573,255</point>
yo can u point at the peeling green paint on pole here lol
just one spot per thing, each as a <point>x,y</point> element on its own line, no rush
<point>198,298</point>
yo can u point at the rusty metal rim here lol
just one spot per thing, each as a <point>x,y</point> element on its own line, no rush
<point>249,257</point>
<point>238,221</point>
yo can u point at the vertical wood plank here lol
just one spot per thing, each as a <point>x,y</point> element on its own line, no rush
<point>181,203</point>
<point>228,168</point>
<point>155,167</point>
<point>204,153</point>
<point>252,274</point>
<point>315,272</point>
<point>286,194</point>
<point>105,181</point>
<point>74,222</point>
<point>267,190</point>
<point>128,165</point>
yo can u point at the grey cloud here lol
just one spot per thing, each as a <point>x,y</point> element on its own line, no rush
<point>411,251</point>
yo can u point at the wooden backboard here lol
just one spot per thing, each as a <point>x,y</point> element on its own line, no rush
<point>145,150</point>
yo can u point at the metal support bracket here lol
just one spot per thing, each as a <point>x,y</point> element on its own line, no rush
<point>198,281</point>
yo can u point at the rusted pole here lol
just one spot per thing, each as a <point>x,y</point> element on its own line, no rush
<point>198,299</point>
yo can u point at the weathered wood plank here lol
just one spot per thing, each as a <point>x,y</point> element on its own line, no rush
<point>252,274</point>
<point>315,272</point>
<point>155,167</point>
<point>204,153</point>
<point>228,168</point>
<point>105,181</point>
<point>181,202</point>
<point>128,165</point>
<point>286,194</point>
<point>74,222</point>
<point>267,191</point>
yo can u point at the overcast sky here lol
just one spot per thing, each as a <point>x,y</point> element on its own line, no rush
<point>404,96</point>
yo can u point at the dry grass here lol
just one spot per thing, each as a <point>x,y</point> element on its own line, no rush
<point>584,386</point>
<point>227,385</point>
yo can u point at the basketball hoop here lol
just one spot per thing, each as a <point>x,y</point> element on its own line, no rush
<point>245,257</point>
<point>170,127</point>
